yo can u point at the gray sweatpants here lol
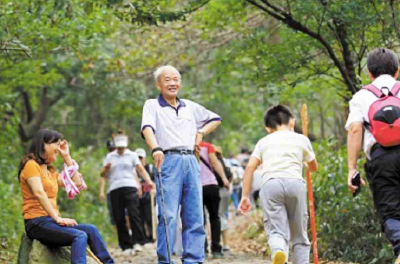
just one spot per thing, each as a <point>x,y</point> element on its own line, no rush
<point>284,203</point>
<point>223,207</point>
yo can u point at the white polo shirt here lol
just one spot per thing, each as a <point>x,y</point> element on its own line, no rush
<point>282,154</point>
<point>123,169</point>
<point>175,128</point>
<point>359,107</point>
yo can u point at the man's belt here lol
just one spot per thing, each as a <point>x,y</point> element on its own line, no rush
<point>179,151</point>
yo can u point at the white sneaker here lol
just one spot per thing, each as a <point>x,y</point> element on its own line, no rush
<point>148,246</point>
<point>127,252</point>
<point>133,252</point>
<point>138,248</point>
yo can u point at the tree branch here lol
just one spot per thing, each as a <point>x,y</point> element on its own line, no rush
<point>27,105</point>
<point>381,19</point>
<point>348,61</point>
<point>196,8</point>
<point>393,13</point>
<point>294,24</point>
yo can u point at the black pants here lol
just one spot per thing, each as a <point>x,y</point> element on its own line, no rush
<point>127,198</point>
<point>145,213</point>
<point>383,173</point>
<point>211,201</point>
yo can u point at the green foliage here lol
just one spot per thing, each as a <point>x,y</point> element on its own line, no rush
<point>348,228</point>
<point>10,200</point>
<point>94,59</point>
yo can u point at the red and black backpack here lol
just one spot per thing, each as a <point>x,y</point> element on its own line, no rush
<point>384,115</point>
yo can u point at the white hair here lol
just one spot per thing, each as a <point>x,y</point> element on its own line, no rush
<point>161,69</point>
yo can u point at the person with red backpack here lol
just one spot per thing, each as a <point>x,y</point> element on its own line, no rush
<point>376,107</point>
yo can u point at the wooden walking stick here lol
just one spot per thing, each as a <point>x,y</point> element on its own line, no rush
<point>93,256</point>
<point>153,215</point>
<point>304,123</point>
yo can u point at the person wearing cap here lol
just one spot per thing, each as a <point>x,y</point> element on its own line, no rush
<point>110,147</point>
<point>120,166</point>
<point>145,200</point>
<point>173,129</point>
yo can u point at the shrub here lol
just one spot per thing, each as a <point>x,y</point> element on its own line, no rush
<point>348,228</point>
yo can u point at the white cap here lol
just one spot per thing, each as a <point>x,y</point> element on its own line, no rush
<point>141,152</point>
<point>121,141</point>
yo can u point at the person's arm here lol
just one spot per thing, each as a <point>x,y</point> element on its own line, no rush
<point>105,170</point>
<point>312,165</point>
<point>64,152</point>
<point>140,191</point>
<point>217,166</point>
<point>207,129</point>
<point>103,179</point>
<point>244,205</point>
<point>354,142</point>
<point>36,186</point>
<point>142,171</point>
<point>102,187</point>
<point>158,156</point>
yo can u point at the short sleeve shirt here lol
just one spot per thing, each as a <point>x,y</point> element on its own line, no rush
<point>359,106</point>
<point>122,172</point>
<point>282,154</point>
<point>175,128</point>
<point>207,175</point>
<point>31,207</point>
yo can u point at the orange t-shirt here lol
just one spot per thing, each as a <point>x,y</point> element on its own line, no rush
<point>31,207</point>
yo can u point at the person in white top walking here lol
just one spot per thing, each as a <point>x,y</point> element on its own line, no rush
<point>283,193</point>
<point>120,168</point>
<point>382,169</point>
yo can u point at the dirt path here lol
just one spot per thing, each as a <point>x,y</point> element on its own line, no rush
<point>244,249</point>
<point>237,225</point>
<point>148,256</point>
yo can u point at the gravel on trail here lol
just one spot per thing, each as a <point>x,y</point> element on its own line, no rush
<point>243,250</point>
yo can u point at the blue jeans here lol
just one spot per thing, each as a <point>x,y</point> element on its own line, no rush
<point>235,197</point>
<point>182,186</point>
<point>49,233</point>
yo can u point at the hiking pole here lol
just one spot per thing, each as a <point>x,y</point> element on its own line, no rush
<point>304,123</point>
<point>164,216</point>
<point>153,216</point>
<point>93,256</point>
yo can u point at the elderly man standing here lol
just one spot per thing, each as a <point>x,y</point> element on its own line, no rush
<point>173,129</point>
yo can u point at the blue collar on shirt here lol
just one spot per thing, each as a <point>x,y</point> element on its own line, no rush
<point>164,103</point>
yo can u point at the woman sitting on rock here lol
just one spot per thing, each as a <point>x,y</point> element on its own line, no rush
<point>39,186</point>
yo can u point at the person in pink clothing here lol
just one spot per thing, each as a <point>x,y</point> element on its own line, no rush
<point>209,164</point>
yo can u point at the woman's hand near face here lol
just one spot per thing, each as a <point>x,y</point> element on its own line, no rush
<point>63,149</point>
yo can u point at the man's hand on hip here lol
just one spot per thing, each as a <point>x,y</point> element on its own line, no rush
<point>199,139</point>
